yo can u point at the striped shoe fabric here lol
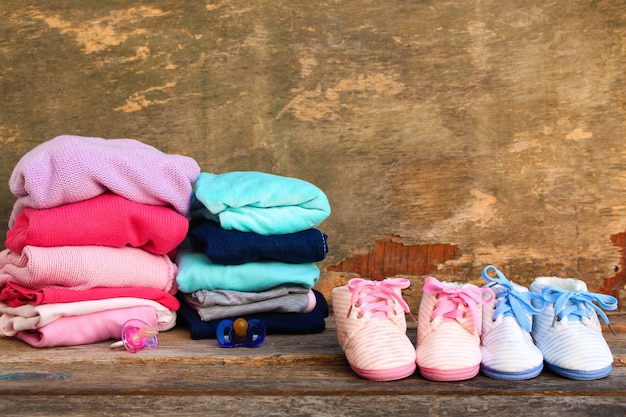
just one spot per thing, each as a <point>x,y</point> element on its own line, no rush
<point>371,328</point>
<point>508,351</point>
<point>568,332</point>
<point>448,330</point>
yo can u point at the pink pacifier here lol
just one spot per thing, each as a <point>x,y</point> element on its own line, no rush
<point>137,335</point>
<point>240,332</point>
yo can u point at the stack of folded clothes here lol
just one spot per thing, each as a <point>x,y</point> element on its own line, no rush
<point>91,240</point>
<point>253,252</point>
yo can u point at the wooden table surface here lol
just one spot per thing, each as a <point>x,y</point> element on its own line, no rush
<point>288,375</point>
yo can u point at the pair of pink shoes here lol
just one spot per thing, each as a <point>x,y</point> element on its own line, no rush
<point>371,329</point>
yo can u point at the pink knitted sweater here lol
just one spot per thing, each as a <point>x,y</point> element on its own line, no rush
<point>67,169</point>
<point>15,295</point>
<point>105,220</point>
<point>87,328</point>
<point>84,267</point>
<point>28,317</point>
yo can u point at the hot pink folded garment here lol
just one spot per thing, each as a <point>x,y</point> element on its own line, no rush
<point>68,169</point>
<point>15,295</point>
<point>90,328</point>
<point>106,220</point>
<point>29,317</point>
<point>85,267</point>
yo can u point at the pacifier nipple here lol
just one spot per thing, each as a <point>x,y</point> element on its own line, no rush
<point>137,335</point>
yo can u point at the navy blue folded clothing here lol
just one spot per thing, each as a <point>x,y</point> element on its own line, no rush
<point>233,247</point>
<point>275,323</point>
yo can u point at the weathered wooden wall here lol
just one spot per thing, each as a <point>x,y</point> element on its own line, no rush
<point>463,132</point>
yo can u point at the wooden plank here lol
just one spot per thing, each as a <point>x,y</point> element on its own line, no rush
<point>288,375</point>
<point>274,380</point>
<point>335,405</point>
<point>283,365</point>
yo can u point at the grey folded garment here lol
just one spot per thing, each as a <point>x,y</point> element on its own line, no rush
<point>219,304</point>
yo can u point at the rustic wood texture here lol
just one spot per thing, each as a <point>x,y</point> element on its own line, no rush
<point>493,127</point>
<point>304,375</point>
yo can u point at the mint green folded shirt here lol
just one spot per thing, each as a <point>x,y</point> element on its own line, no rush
<point>197,272</point>
<point>259,202</point>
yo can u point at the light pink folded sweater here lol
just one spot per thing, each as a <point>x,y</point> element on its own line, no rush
<point>30,317</point>
<point>88,328</point>
<point>85,267</point>
<point>68,169</point>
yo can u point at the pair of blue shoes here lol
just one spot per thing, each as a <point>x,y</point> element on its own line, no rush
<point>554,322</point>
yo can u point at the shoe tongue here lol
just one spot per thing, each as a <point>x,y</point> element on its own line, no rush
<point>568,284</point>
<point>499,288</point>
<point>571,284</point>
<point>452,284</point>
<point>579,285</point>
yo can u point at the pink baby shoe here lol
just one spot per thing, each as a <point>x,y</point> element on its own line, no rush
<point>371,328</point>
<point>448,330</point>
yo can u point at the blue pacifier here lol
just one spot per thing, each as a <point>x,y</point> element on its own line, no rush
<point>240,332</point>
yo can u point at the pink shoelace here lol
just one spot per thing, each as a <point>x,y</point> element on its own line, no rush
<point>374,296</point>
<point>453,302</point>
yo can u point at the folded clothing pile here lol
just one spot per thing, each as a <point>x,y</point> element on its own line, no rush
<point>253,253</point>
<point>91,240</point>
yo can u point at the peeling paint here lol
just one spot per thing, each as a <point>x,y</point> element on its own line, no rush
<point>480,210</point>
<point>98,34</point>
<point>8,135</point>
<point>562,121</point>
<point>482,203</point>
<point>316,104</point>
<point>211,6</point>
<point>307,62</point>
<point>138,101</point>
<point>389,258</point>
<point>479,48</point>
<point>141,53</point>
<point>616,285</point>
<point>578,134</point>
<point>308,105</point>
<point>521,145</point>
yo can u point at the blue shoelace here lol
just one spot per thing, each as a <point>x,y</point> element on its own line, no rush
<point>511,302</point>
<point>575,304</point>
